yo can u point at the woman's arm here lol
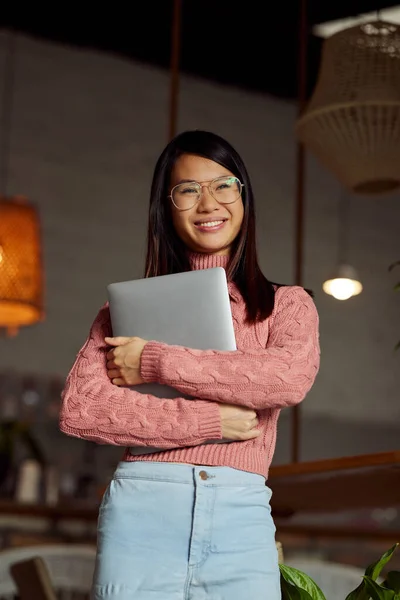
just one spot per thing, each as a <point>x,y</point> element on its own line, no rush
<point>95,409</point>
<point>278,376</point>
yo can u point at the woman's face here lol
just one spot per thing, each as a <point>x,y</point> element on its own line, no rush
<point>209,226</point>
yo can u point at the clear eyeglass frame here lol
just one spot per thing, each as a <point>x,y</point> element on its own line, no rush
<point>200,186</point>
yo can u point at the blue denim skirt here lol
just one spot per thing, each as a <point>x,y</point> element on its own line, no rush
<point>171,531</point>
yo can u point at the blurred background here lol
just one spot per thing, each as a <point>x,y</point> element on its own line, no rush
<point>309,94</point>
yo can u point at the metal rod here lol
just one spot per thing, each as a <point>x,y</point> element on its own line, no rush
<point>343,228</point>
<point>175,56</point>
<point>300,198</point>
<point>6,113</point>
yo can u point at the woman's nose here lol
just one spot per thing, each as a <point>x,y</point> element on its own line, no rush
<point>207,202</point>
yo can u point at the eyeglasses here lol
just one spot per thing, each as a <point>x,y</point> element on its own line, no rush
<point>225,190</point>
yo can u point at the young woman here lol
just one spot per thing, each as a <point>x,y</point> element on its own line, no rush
<point>193,520</point>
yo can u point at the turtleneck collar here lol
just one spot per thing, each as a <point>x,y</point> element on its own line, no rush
<point>210,261</point>
<point>207,261</point>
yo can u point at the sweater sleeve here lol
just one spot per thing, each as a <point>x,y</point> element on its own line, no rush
<point>279,375</point>
<point>95,409</point>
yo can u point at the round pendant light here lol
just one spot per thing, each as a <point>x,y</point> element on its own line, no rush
<point>343,283</point>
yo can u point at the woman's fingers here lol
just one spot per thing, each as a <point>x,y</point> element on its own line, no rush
<point>114,373</point>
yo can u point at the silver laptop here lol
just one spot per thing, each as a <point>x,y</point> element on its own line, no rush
<point>189,309</point>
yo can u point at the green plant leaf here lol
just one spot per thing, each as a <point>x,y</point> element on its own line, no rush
<point>374,570</point>
<point>393,265</point>
<point>393,581</point>
<point>396,287</point>
<point>378,592</point>
<point>301,581</point>
<point>13,431</point>
<point>360,593</point>
<point>291,592</point>
<point>33,446</point>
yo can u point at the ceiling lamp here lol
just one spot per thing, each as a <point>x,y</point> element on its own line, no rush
<point>343,284</point>
<point>324,30</point>
<point>21,277</point>
<point>352,121</point>
<point>21,301</point>
<point>344,281</point>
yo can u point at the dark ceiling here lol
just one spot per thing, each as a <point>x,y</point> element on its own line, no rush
<point>252,45</point>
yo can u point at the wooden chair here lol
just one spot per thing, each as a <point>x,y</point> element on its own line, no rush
<point>69,568</point>
<point>32,579</point>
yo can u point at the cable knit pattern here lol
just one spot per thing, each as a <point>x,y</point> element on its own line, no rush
<point>275,366</point>
<point>277,376</point>
<point>95,409</point>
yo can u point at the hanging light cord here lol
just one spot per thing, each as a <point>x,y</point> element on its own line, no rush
<point>343,226</point>
<point>300,199</point>
<point>175,57</point>
<point>6,114</point>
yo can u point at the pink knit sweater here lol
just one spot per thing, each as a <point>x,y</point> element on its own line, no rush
<point>274,367</point>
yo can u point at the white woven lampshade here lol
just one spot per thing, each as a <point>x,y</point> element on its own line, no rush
<point>352,122</point>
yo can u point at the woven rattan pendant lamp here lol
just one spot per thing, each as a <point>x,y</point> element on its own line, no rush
<point>352,121</point>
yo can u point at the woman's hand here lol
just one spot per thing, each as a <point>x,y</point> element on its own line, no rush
<point>123,361</point>
<point>239,423</point>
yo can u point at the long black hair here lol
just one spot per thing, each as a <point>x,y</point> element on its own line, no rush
<point>166,253</point>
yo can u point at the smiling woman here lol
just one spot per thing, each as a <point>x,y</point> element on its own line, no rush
<point>198,159</point>
<point>193,520</point>
<point>207,205</point>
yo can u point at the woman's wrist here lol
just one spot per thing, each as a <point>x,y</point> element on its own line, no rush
<point>149,362</point>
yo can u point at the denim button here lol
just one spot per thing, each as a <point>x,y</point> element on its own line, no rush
<point>203,475</point>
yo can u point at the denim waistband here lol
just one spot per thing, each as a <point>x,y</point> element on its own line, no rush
<point>183,473</point>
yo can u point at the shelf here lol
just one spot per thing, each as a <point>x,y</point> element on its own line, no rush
<point>325,486</point>
<point>337,532</point>
<point>357,482</point>
<point>69,512</point>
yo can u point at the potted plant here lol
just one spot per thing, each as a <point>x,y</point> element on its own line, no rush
<point>13,432</point>
<point>296,585</point>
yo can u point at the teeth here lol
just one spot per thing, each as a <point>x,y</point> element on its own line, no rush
<point>210,224</point>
